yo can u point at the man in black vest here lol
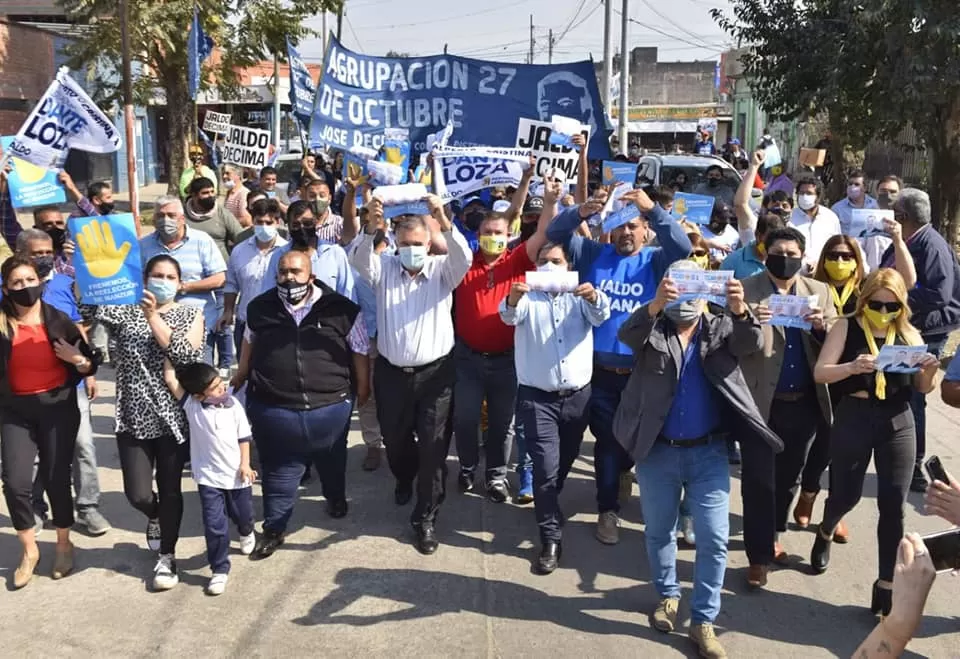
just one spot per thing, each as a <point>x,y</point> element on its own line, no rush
<point>305,357</point>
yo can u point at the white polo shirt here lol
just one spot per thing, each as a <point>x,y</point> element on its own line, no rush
<point>216,432</point>
<point>817,231</point>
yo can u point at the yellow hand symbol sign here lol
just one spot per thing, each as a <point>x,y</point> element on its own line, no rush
<point>100,251</point>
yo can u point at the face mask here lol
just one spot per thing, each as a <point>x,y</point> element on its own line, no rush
<point>58,236</point>
<point>702,261</point>
<point>229,185</point>
<point>320,206</point>
<point>168,227</point>
<point>685,313</point>
<point>853,191</point>
<point>840,270</point>
<point>551,267</point>
<point>783,267</point>
<point>413,256</point>
<point>493,245</point>
<point>265,233</point>
<point>44,266</point>
<point>887,199</point>
<point>776,171</point>
<point>807,201</point>
<point>879,319</point>
<point>206,204</point>
<point>305,236</point>
<point>106,208</point>
<point>293,292</point>
<point>165,291</point>
<point>26,297</point>
<point>713,182</point>
<point>473,219</point>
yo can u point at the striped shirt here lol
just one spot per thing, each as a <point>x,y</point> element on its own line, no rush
<point>247,271</point>
<point>329,264</point>
<point>199,258</point>
<point>236,201</point>
<point>331,230</point>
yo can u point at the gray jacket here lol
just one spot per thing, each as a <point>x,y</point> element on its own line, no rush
<point>652,386</point>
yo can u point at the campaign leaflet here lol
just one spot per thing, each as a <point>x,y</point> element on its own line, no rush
<point>563,281</point>
<point>900,359</point>
<point>866,222</point>
<point>790,310</point>
<point>709,285</point>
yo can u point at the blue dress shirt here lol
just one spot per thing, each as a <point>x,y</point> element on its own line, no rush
<point>329,264</point>
<point>554,338</point>
<point>695,411</point>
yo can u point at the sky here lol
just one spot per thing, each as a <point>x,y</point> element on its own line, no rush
<point>500,29</point>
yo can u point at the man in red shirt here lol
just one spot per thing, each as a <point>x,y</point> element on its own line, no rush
<point>484,350</point>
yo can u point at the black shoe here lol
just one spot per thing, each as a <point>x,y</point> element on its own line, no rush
<point>919,482</point>
<point>337,509</point>
<point>268,543</point>
<point>497,491</point>
<point>820,554</point>
<point>549,558</point>
<point>403,493</point>
<point>465,482</point>
<point>881,600</point>
<point>426,538</point>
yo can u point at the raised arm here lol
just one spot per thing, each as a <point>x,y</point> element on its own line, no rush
<point>351,219</point>
<point>674,243</point>
<point>903,259</point>
<point>563,231</point>
<point>364,259</point>
<point>583,171</point>
<point>459,257</point>
<point>746,218</point>
<point>520,194</point>
<point>551,193</point>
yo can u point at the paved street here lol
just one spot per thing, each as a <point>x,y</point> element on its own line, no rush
<point>357,588</point>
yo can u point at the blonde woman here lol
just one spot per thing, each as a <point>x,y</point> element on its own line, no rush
<point>872,418</point>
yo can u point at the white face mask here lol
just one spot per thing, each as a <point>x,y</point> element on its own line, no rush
<point>807,201</point>
<point>228,185</point>
<point>551,267</point>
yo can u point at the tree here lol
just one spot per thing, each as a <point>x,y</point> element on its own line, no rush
<point>243,31</point>
<point>874,66</point>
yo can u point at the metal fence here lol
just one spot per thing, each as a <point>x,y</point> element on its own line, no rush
<point>903,156</point>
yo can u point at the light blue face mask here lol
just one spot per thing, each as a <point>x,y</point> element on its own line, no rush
<point>265,233</point>
<point>162,289</point>
<point>413,256</point>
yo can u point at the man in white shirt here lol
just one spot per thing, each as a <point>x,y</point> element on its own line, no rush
<point>415,371</point>
<point>857,197</point>
<point>816,223</point>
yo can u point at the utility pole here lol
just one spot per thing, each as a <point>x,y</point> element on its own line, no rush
<point>624,79</point>
<point>323,30</point>
<point>340,21</point>
<point>276,101</point>
<point>532,42</point>
<point>550,49</point>
<point>607,55</point>
<point>132,187</point>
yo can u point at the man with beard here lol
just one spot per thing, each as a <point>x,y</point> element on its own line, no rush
<point>627,271</point>
<point>99,199</point>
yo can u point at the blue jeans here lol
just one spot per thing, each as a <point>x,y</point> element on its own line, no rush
<point>701,472</point>
<point>219,508</point>
<point>919,401</point>
<point>222,341</point>
<point>287,441</point>
<point>609,457</point>
<point>480,377</point>
<point>524,461</point>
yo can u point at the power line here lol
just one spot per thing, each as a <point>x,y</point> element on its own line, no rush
<point>563,32</point>
<point>441,20</point>
<point>352,31</point>
<point>668,19</point>
<point>668,35</point>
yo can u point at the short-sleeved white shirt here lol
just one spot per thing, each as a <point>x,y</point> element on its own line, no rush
<point>215,435</point>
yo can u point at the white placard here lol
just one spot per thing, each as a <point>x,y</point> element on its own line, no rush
<point>216,122</point>
<point>710,285</point>
<point>246,147</point>
<point>866,222</point>
<point>790,310</point>
<point>558,281</point>
<point>535,136</point>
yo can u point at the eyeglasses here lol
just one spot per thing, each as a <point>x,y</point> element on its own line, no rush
<point>699,252</point>
<point>840,256</point>
<point>889,307</point>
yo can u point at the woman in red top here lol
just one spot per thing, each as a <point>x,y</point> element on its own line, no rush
<point>43,356</point>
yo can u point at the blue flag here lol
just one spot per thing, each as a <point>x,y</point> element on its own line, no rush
<point>199,47</point>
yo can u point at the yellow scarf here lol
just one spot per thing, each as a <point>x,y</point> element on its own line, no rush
<point>840,300</point>
<point>881,385</point>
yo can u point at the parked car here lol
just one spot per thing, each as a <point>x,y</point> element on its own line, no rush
<point>657,169</point>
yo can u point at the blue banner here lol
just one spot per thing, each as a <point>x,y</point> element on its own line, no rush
<point>695,208</point>
<point>614,171</point>
<point>302,88</point>
<point>620,217</point>
<point>30,185</point>
<point>360,96</point>
<point>107,260</point>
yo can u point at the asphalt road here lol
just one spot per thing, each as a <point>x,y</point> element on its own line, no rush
<point>356,587</point>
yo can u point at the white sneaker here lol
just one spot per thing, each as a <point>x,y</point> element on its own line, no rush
<point>217,584</point>
<point>247,543</point>
<point>686,527</point>
<point>165,573</point>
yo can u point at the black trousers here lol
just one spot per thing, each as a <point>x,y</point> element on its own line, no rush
<point>553,427</point>
<point>796,424</point>
<point>417,401</point>
<point>43,425</point>
<point>818,459</point>
<point>138,459</point>
<point>887,431</point>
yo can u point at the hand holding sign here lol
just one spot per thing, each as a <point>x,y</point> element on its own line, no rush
<point>640,198</point>
<point>99,249</point>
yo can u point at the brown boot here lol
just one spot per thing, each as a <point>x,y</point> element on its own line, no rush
<point>24,572</point>
<point>841,534</point>
<point>804,509</point>
<point>372,461</point>
<point>757,576</point>
<point>63,563</point>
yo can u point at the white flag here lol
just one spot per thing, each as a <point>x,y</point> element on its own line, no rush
<point>458,171</point>
<point>64,119</point>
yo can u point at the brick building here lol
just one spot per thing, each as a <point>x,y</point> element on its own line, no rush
<point>26,68</point>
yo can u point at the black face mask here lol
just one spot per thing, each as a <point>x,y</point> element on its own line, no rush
<point>305,236</point>
<point>58,236</point>
<point>106,207</point>
<point>26,297</point>
<point>473,219</point>
<point>44,266</point>
<point>783,267</point>
<point>713,182</point>
<point>206,204</point>
<point>527,229</point>
<point>293,292</point>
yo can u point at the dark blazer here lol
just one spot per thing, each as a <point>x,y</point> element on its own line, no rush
<point>652,386</point>
<point>58,326</point>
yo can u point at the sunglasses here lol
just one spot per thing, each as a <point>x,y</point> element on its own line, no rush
<point>699,252</point>
<point>889,307</point>
<point>840,256</point>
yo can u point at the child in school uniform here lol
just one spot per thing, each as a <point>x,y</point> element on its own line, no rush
<point>220,462</point>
